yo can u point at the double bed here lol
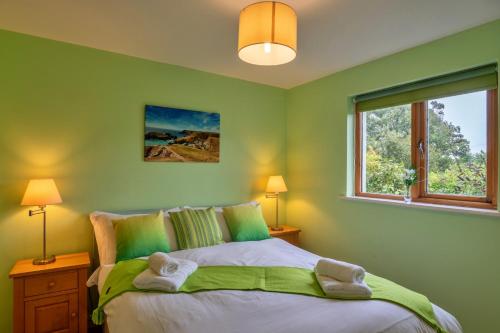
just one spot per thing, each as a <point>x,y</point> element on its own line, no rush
<point>257,311</point>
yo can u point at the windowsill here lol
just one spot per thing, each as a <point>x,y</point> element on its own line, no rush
<point>420,205</point>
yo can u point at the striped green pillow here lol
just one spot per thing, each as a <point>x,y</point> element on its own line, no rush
<point>196,228</point>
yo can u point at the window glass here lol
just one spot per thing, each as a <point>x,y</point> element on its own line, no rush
<point>456,154</point>
<point>386,149</point>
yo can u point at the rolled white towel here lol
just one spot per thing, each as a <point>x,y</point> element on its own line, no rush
<point>340,270</point>
<point>151,281</point>
<point>163,264</point>
<point>334,288</point>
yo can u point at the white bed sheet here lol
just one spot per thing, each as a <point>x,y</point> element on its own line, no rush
<point>255,311</point>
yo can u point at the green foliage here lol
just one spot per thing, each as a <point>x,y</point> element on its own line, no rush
<point>467,178</point>
<point>446,144</point>
<point>383,175</point>
<point>389,133</point>
<point>453,168</point>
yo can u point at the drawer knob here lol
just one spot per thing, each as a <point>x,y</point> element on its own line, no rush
<point>73,314</point>
<point>52,284</point>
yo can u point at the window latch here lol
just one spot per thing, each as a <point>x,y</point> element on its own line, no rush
<point>421,148</point>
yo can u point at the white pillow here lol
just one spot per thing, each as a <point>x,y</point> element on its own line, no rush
<point>226,235</point>
<point>105,234</point>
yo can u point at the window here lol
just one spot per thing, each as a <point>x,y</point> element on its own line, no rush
<point>386,149</point>
<point>445,128</point>
<point>456,145</point>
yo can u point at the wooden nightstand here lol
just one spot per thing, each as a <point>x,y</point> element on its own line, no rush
<point>289,234</point>
<point>52,297</point>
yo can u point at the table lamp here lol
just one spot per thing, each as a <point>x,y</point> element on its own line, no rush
<point>41,192</point>
<point>275,186</point>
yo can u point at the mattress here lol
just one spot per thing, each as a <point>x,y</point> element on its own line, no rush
<point>256,311</point>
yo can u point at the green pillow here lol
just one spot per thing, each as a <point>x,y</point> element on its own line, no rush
<point>196,228</point>
<point>246,223</point>
<point>140,236</point>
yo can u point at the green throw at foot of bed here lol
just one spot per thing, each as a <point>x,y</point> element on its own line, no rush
<point>272,279</point>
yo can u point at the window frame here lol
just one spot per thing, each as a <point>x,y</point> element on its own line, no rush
<point>419,134</point>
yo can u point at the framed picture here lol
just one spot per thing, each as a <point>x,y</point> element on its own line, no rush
<point>178,135</point>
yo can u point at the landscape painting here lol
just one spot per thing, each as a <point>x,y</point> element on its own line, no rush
<point>177,135</point>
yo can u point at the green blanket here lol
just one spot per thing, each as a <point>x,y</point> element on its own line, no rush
<point>273,279</point>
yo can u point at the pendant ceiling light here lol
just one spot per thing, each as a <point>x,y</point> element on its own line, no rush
<point>267,34</point>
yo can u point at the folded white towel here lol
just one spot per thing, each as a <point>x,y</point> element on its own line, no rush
<point>334,288</point>
<point>151,281</point>
<point>163,264</point>
<point>340,270</point>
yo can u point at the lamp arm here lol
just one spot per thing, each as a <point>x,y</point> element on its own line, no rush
<point>275,195</point>
<point>42,211</point>
<point>277,210</point>
<point>38,211</point>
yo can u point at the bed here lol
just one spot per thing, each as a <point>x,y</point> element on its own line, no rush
<point>256,311</point>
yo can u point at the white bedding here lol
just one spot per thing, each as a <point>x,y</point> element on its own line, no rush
<point>255,311</point>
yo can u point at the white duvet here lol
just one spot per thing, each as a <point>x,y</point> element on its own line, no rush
<point>256,311</point>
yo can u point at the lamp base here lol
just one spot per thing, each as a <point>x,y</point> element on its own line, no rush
<point>44,261</point>
<point>277,228</point>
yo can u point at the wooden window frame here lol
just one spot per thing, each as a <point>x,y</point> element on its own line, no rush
<point>419,134</point>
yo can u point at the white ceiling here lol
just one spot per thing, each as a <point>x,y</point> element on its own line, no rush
<point>202,34</point>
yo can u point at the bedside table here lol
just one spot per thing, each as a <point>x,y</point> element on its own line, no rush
<point>52,297</point>
<point>289,234</point>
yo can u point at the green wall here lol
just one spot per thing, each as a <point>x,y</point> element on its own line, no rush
<point>452,257</point>
<point>77,114</point>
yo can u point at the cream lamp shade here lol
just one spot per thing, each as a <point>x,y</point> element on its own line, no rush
<point>41,192</point>
<point>267,34</point>
<point>276,184</point>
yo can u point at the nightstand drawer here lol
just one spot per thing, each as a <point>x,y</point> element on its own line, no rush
<point>51,282</point>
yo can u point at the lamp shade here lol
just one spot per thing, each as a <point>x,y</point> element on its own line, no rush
<point>267,34</point>
<point>41,192</point>
<point>276,184</point>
